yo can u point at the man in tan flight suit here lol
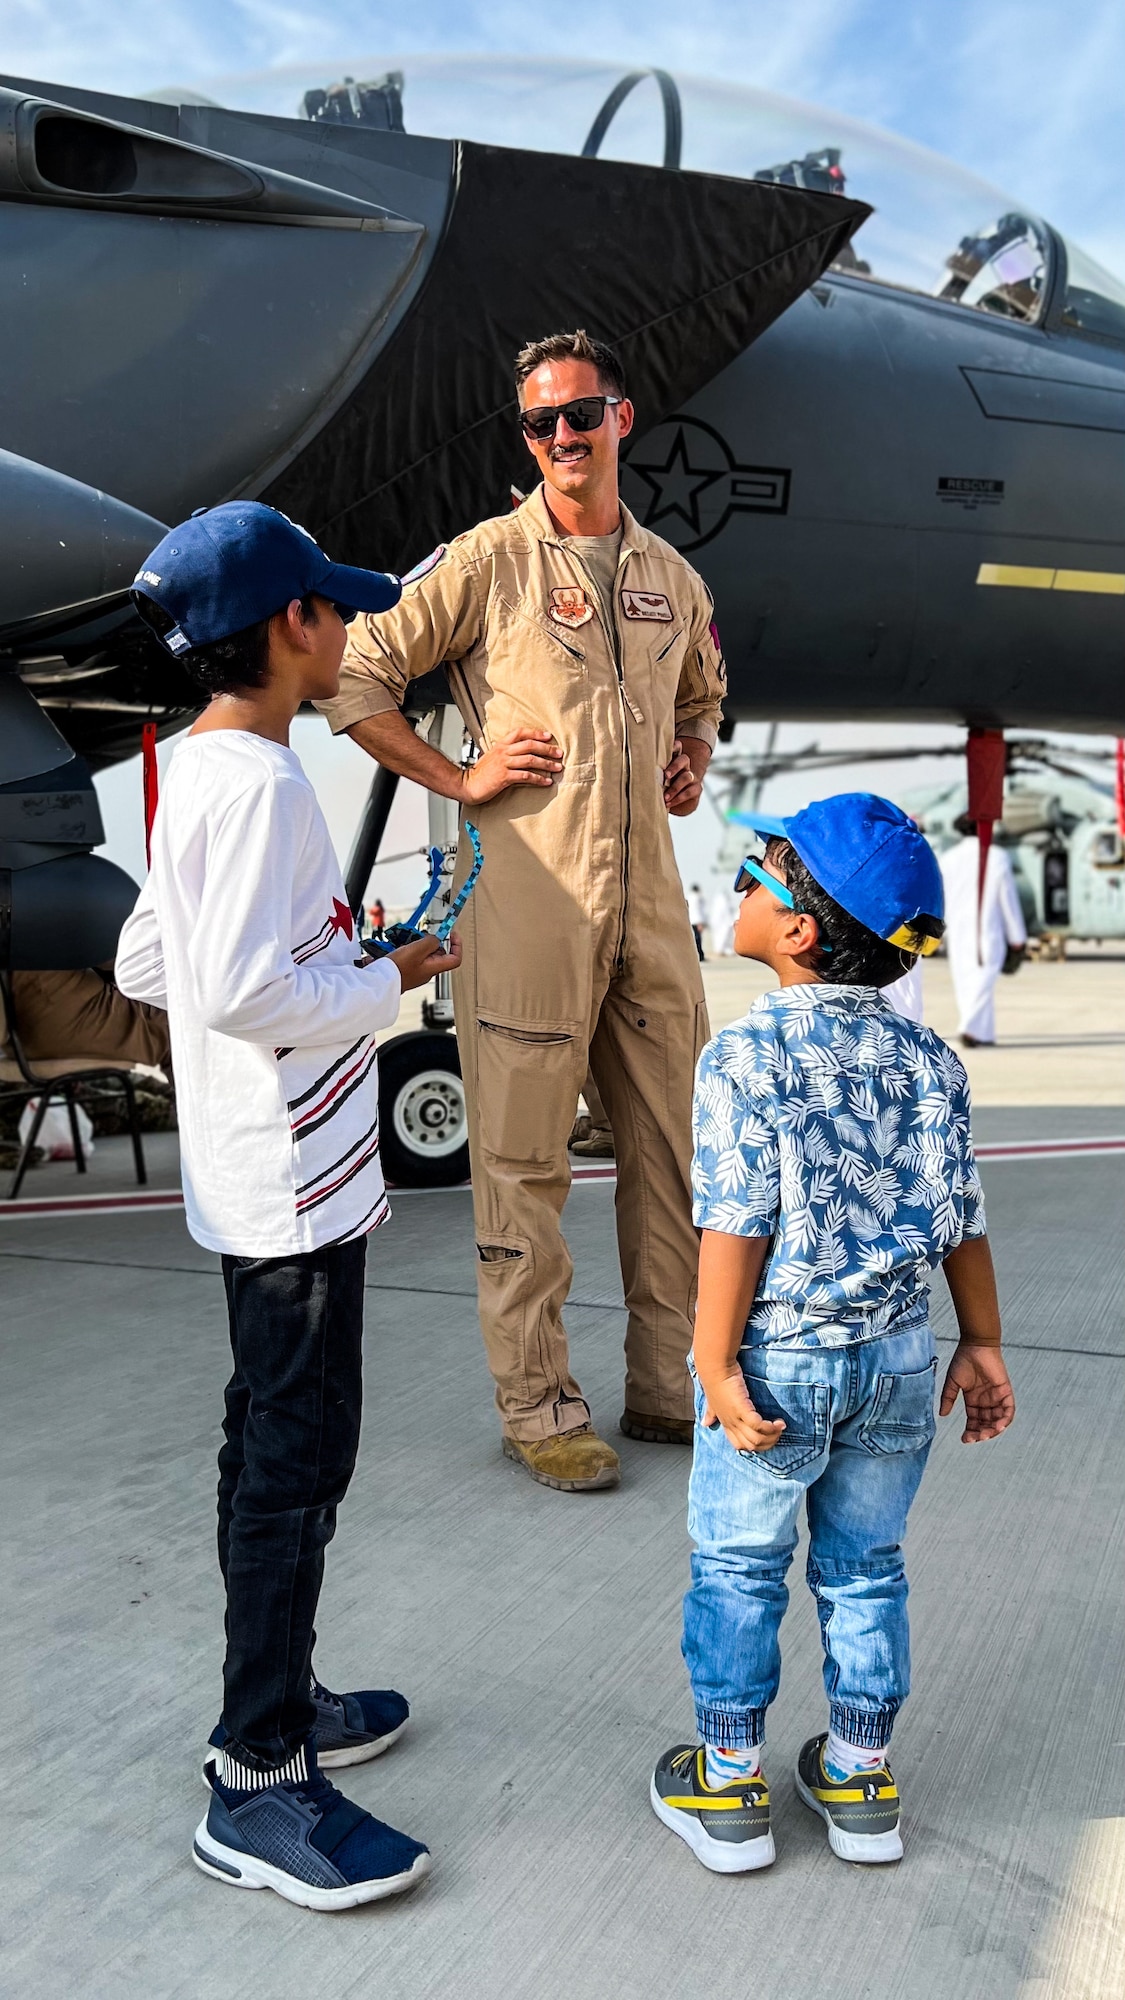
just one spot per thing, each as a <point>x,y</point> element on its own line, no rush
<point>582,655</point>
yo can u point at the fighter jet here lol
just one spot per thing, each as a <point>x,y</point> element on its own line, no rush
<point>881,405</point>
<point>908,494</point>
<point>202,305</point>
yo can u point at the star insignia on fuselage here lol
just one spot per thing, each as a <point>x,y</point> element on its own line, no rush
<point>676,485</point>
<point>683,481</point>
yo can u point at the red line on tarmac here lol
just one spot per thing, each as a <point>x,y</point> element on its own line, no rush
<point>131,1200</point>
<point>1046,1149</point>
<point>93,1204</point>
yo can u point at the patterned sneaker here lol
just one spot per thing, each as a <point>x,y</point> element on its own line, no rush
<point>295,1833</point>
<point>728,1829</point>
<point>350,1728</point>
<point>861,1812</point>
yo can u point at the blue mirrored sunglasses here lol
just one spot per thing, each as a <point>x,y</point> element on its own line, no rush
<point>752,872</point>
<point>749,876</point>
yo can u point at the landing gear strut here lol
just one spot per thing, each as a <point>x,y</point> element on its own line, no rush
<point>423,1127</point>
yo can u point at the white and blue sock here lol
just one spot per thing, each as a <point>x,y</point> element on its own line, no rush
<point>728,1767</point>
<point>842,1760</point>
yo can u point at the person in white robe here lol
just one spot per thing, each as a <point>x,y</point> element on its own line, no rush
<point>1001,923</point>
<point>697,916</point>
<point>720,923</point>
<point>905,994</point>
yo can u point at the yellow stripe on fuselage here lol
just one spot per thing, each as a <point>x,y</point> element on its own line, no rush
<point>1021,576</point>
<point>1101,582</point>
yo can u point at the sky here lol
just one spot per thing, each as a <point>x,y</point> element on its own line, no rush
<point>1025,92</point>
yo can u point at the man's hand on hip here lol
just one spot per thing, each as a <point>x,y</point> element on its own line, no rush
<point>526,757</point>
<point>683,777</point>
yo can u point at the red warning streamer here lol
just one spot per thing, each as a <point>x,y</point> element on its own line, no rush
<point>1121,786</point>
<point>987,761</point>
<point>151,783</point>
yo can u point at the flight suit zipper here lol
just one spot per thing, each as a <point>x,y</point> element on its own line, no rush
<point>614,638</point>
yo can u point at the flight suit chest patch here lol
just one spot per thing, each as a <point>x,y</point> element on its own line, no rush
<point>569,606</point>
<point>650,604</point>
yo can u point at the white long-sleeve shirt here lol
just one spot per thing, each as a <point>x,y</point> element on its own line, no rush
<point>243,932</point>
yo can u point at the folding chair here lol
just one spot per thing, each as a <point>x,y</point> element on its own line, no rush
<point>58,1076</point>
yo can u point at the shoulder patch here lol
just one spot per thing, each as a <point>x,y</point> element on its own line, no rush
<point>651,604</point>
<point>422,569</point>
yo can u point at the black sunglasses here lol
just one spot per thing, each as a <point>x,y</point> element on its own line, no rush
<point>585,413</point>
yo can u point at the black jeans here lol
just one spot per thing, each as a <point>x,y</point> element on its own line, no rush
<point>292,1432</point>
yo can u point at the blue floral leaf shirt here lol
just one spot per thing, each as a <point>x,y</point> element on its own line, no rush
<point>832,1124</point>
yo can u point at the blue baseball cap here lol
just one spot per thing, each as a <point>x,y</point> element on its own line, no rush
<point>231,566</point>
<point>871,859</point>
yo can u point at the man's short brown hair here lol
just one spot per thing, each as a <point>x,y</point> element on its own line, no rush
<point>576,346</point>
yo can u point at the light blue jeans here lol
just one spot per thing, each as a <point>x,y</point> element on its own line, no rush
<point>859,1425</point>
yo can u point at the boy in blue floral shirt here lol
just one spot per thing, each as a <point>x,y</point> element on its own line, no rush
<point>833,1171</point>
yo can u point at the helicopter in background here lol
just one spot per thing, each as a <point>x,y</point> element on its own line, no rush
<point>1062,823</point>
<point>1066,850</point>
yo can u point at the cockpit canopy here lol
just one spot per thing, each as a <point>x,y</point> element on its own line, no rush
<point>936,228</point>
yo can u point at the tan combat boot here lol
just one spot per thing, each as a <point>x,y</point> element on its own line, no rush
<point>596,1144</point>
<point>657,1430</point>
<point>576,1462</point>
<point>590,1141</point>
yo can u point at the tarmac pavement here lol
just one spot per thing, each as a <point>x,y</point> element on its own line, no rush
<point>537,1635</point>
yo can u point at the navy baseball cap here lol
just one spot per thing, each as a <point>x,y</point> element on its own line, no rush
<point>231,566</point>
<point>871,859</point>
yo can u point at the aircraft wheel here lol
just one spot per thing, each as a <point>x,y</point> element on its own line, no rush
<point>422,1123</point>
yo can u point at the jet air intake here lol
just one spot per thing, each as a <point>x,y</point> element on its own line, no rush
<point>49,153</point>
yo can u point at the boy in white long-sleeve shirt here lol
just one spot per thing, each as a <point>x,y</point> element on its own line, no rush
<point>244,934</point>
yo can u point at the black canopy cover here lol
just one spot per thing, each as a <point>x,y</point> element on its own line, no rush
<point>679,271</point>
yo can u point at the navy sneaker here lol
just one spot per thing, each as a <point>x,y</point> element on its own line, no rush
<point>293,1832</point>
<point>350,1728</point>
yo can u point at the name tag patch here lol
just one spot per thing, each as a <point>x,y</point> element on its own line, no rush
<point>569,607</point>
<point>647,604</point>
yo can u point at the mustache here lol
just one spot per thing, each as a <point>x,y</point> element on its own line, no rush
<point>572,444</point>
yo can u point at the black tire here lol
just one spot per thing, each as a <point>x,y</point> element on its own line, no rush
<point>422,1129</point>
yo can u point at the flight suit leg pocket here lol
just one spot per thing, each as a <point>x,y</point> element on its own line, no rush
<point>528,1080</point>
<point>639,1057</point>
